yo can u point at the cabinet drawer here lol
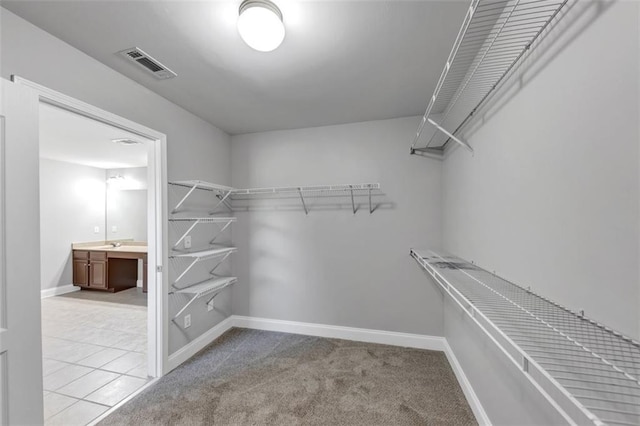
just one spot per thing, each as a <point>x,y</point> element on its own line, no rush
<point>98,255</point>
<point>80,254</point>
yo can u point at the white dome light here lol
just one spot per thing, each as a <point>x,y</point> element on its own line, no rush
<point>260,25</point>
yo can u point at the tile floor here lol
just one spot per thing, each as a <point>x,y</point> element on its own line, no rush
<point>94,356</point>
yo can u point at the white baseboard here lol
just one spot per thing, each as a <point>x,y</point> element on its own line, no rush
<point>406,340</point>
<point>56,291</point>
<point>393,338</point>
<point>469,393</point>
<point>195,346</point>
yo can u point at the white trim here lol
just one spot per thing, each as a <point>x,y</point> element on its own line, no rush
<point>199,343</point>
<point>465,384</point>
<point>113,409</point>
<point>157,322</point>
<point>57,291</point>
<point>393,338</point>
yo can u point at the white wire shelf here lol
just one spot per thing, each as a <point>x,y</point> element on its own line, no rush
<point>493,38</point>
<point>200,184</point>
<point>344,188</point>
<point>589,372</point>
<point>206,253</point>
<point>221,191</point>
<point>203,219</point>
<point>199,256</point>
<point>225,221</point>
<point>208,287</point>
<point>226,195</point>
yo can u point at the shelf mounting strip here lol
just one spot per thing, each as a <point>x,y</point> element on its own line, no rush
<point>494,36</point>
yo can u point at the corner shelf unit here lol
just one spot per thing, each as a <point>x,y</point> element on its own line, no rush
<point>226,195</point>
<point>589,372</point>
<point>209,286</point>
<point>495,35</point>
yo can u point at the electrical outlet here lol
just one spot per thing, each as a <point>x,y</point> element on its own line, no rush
<point>96,229</point>
<point>114,228</point>
<point>187,321</point>
<point>187,241</point>
<point>210,306</point>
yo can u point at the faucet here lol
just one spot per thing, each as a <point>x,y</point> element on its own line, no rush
<point>116,244</point>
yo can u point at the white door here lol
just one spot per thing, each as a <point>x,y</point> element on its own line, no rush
<point>20,328</point>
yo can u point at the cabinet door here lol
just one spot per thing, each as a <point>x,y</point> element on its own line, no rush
<point>98,274</point>
<point>80,276</point>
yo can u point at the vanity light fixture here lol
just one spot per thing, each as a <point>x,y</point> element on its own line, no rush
<point>260,24</point>
<point>126,141</point>
<point>116,178</point>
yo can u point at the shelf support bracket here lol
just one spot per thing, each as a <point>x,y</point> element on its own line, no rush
<point>226,225</point>
<point>220,262</point>
<point>185,234</point>
<point>213,297</point>
<point>370,206</point>
<point>222,200</point>
<point>353,202</point>
<point>454,138</point>
<point>306,211</point>
<point>184,308</point>
<point>186,270</point>
<point>175,209</point>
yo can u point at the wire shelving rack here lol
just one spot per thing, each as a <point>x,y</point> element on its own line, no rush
<point>495,35</point>
<point>589,372</point>
<point>227,195</point>
<point>213,284</point>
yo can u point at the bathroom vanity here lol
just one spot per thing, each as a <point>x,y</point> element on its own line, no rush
<point>108,267</point>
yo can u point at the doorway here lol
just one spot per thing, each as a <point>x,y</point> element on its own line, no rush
<point>108,231</point>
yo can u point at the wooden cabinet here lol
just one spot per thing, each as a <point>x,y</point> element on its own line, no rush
<point>81,268</point>
<point>111,270</point>
<point>90,269</point>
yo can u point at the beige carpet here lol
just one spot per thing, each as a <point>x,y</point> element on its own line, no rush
<point>250,377</point>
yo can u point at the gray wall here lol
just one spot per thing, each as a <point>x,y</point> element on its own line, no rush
<point>550,198</point>
<point>196,149</point>
<point>334,267</point>
<point>72,203</point>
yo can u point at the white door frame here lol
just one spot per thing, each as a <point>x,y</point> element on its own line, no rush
<point>157,283</point>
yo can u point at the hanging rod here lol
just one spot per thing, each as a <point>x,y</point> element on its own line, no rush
<point>493,38</point>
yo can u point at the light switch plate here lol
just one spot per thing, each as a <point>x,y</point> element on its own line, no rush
<point>187,321</point>
<point>187,241</point>
<point>96,229</point>
<point>210,306</point>
<point>114,228</point>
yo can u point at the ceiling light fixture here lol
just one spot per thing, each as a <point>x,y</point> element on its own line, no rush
<point>260,25</point>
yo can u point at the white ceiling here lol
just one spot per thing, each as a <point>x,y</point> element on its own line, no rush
<point>341,61</point>
<point>70,137</point>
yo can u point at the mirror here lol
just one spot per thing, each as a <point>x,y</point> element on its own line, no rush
<point>126,204</point>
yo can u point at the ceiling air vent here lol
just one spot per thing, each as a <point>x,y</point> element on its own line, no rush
<point>146,62</point>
